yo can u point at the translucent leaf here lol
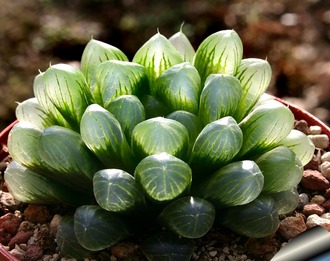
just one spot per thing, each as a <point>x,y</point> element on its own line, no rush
<point>219,53</point>
<point>216,145</point>
<point>286,201</point>
<point>219,98</point>
<point>157,55</point>
<point>31,111</point>
<point>237,183</point>
<point>97,229</point>
<point>115,78</point>
<point>102,134</point>
<point>254,75</point>
<point>163,177</point>
<point>281,168</point>
<point>190,217</point>
<point>94,54</point>
<point>179,88</point>
<point>116,190</point>
<point>67,89</point>
<point>183,45</point>
<point>158,135</point>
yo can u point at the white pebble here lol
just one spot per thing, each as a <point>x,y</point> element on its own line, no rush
<point>225,250</point>
<point>325,215</point>
<point>18,254</point>
<point>325,157</point>
<point>320,140</point>
<point>318,199</point>
<point>325,169</point>
<point>46,258</point>
<point>56,257</point>
<point>243,257</point>
<point>315,130</point>
<point>213,253</point>
<point>314,220</point>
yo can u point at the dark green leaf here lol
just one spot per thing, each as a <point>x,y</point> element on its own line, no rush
<point>286,201</point>
<point>153,107</point>
<point>166,246</point>
<point>190,217</point>
<point>97,229</point>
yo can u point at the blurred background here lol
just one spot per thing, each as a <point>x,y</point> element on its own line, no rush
<point>294,36</point>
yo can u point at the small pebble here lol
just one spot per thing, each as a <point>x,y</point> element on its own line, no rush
<point>325,157</point>
<point>314,130</point>
<point>320,140</point>
<point>213,253</point>
<point>313,208</point>
<point>325,169</point>
<point>303,200</point>
<point>315,220</point>
<point>46,258</point>
<point>318,199</point>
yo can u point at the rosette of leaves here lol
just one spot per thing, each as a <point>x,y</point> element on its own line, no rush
<point>173,139</point>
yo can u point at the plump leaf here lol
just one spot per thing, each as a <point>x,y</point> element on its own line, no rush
<point>67,241</point>
<point>286,201</point>
<point>217,144</point>
<point>183,46</point>
<point>129,111</point>
<point>102,134</point>
<point>116,190</point>
<point>263,128</point>
<point>219,53</point>
<point>281,168</point>
<point>66,87</point>
<point>192,123</point>
<point>163,177</point>
<point>190,217</point>
<point>237,183</point>
<point>219,98</point>
<point>97,229</point>
<point>256,219</point>
<point>300,144</point>
<point>45,102</point>
<point>29,186</point>
<point>153,107</point>
<point>115,78</point>
<point>64,150</point>
<point>157,55</point>
<point>179,88</point>
<point>158,135</point>
<point>167,246</point>
<point>31,111</point>
<point>254,75</point>
<point>94,54</point>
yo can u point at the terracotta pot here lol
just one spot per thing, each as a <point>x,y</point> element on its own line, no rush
<point>298,113</point>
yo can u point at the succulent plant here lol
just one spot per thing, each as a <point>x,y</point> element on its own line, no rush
<point>175,141</point>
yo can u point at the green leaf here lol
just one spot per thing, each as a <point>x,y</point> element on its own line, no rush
<point>64,150</point>
<point>219,98</point>
<point>32,187</point>
<point>163,177</point>
<point>190,217</point>
<point>179,88</point>
<point>31,111</point>
<point>300,144</point>
<point>192,123</point>
<point>182,44</point>
<point>286,201</point>
<point>153,107</point>
<point>115,78</point>
<point>254,75</point>
<point>166,246</point>
<point>281,168</point>
<point>219,53</point>
<point>237,183</point>
<point>45,102</point>
<point>67,241</point>
<point>216,145</point>
<point>102,134</point>
<point>94,54</point>
<point>97,229</point>
<point>256,219</point>
<point>158,135</point>
<point>67,89</point>
<point>157,55</point>
<point>129,111</point>
<point>265,127</point>
<point>116,190</point>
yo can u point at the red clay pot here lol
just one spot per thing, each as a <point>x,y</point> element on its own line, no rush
<point>298,113</point>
